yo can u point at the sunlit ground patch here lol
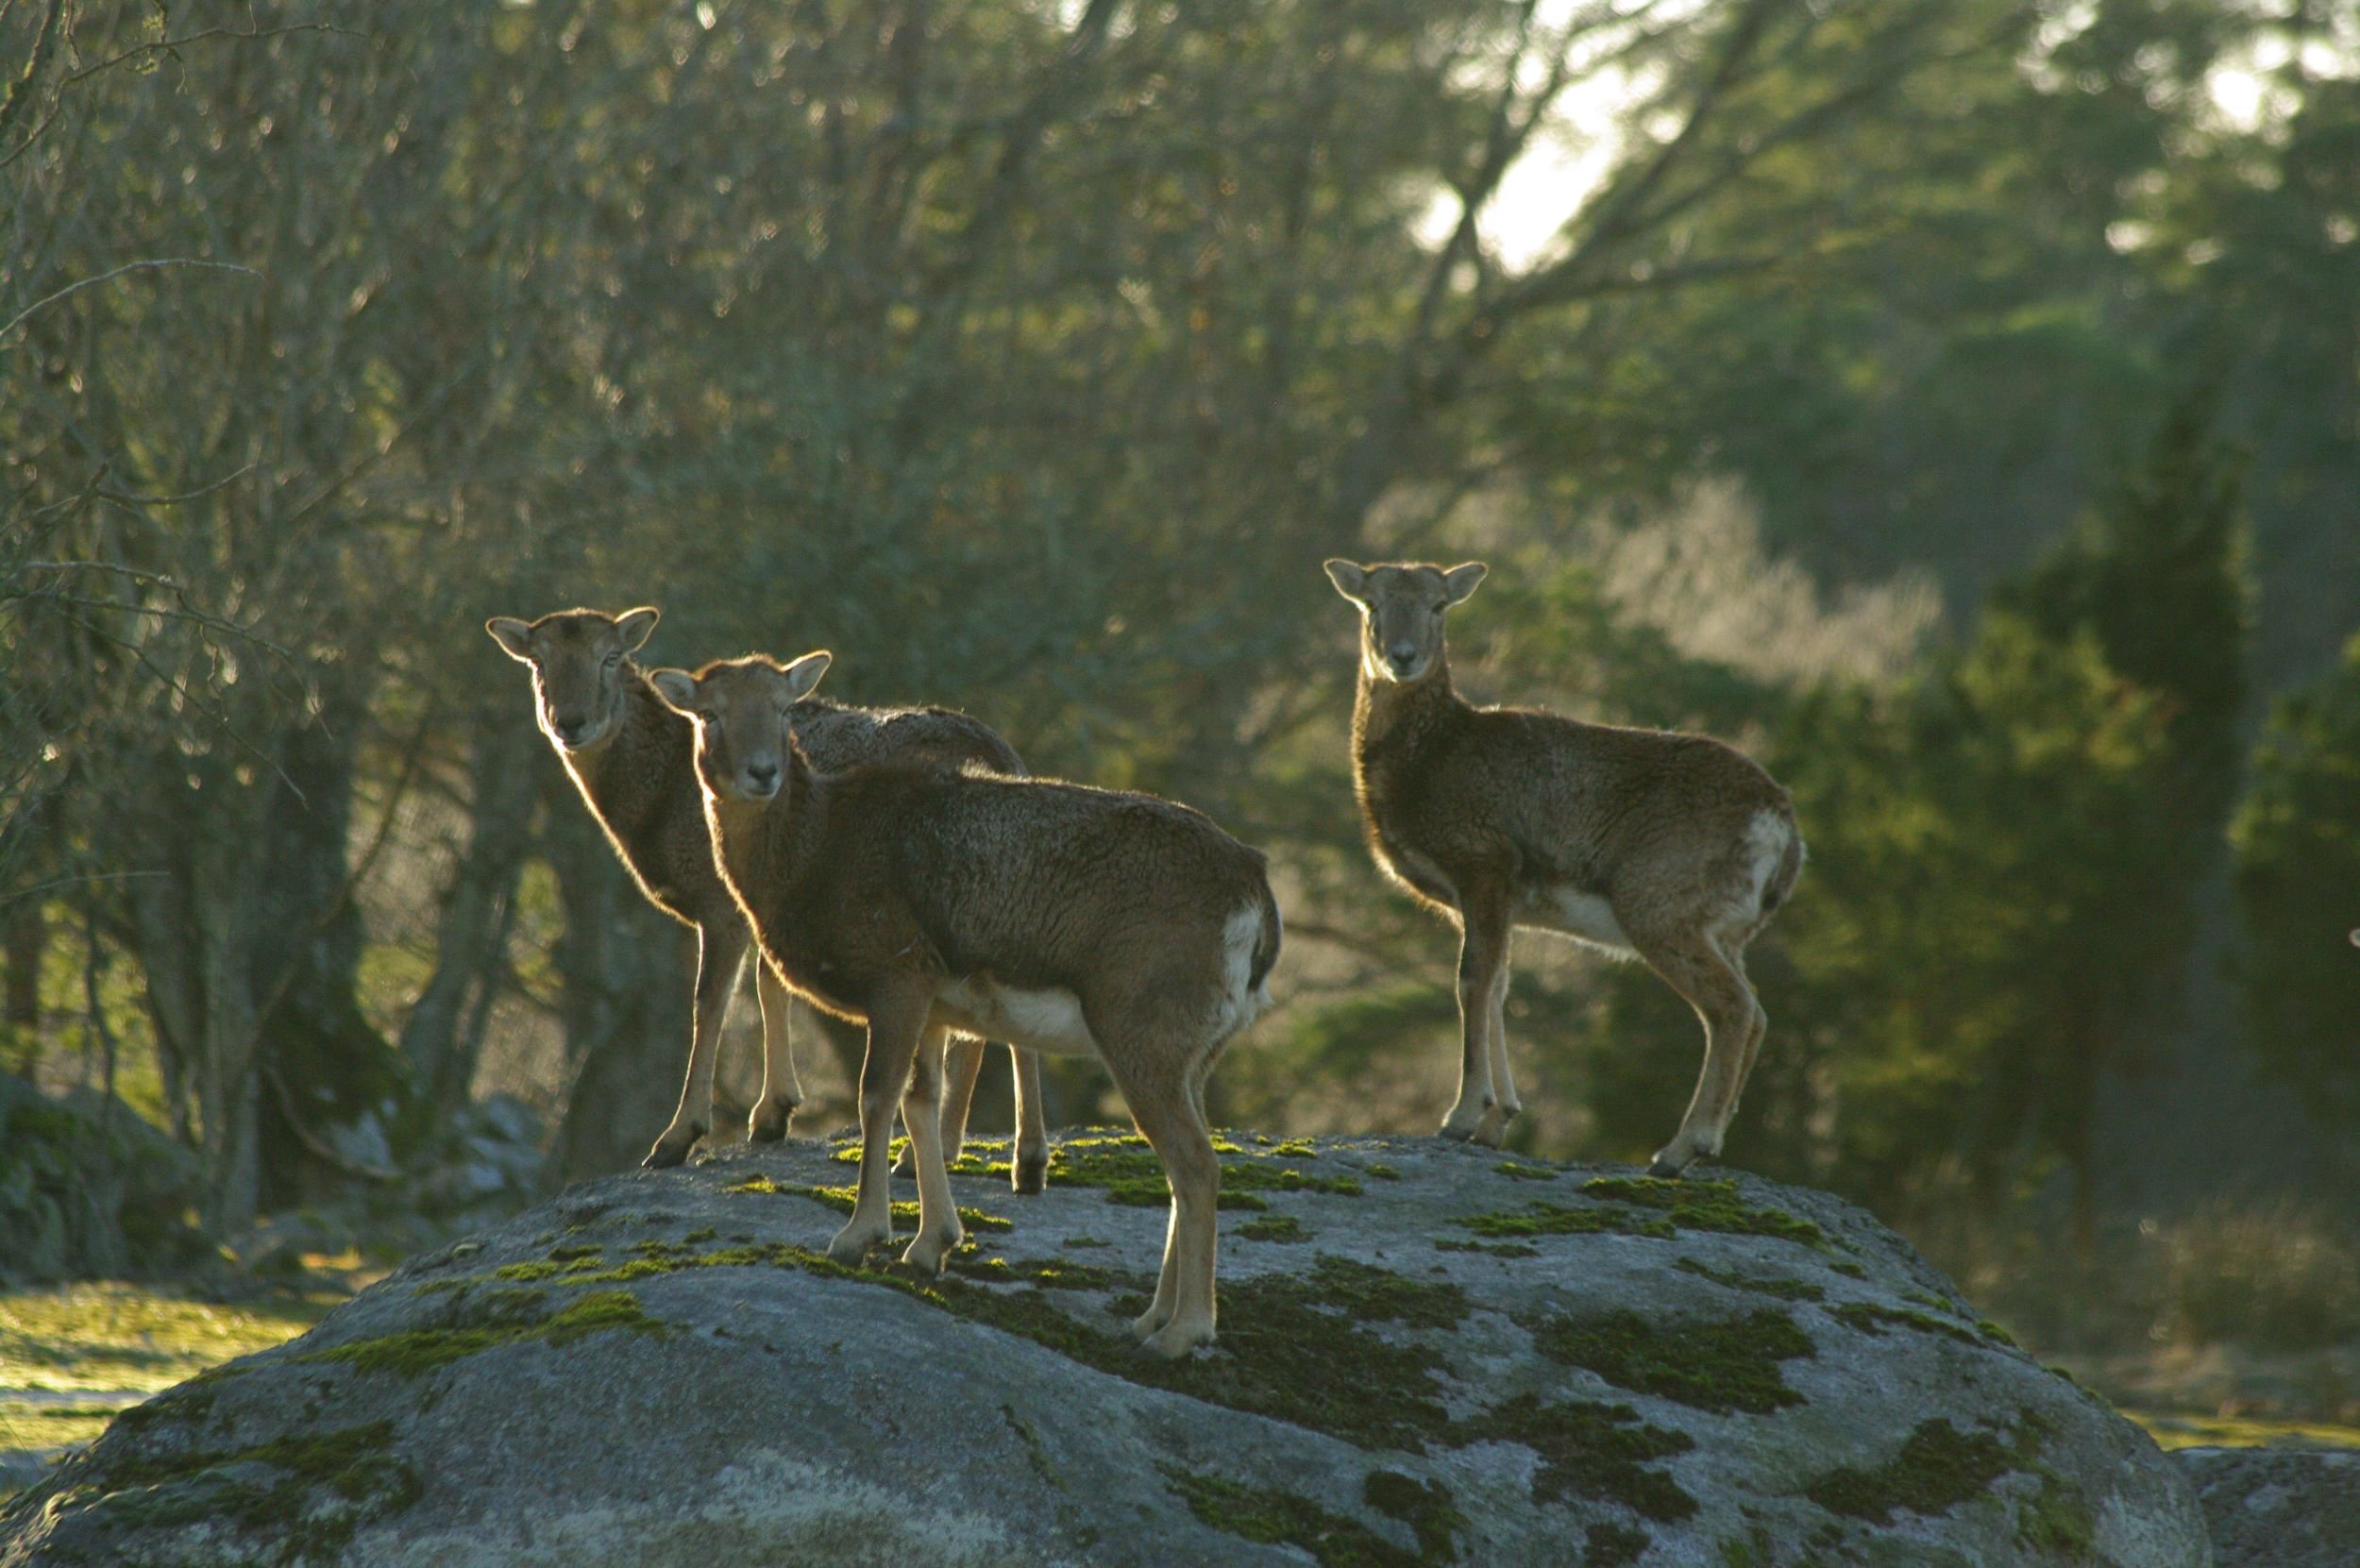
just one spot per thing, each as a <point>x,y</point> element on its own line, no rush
<point>2199,1431</point>
<point>132,1338</point>
<point>74,1357</point>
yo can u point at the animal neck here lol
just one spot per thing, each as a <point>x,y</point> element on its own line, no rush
<point>598,767</point>
<point>1386,710</point>
<point>769,843</point>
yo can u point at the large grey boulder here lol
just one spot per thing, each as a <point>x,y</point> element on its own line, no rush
<point>1428,1354</point>
<point>2279,1508</point>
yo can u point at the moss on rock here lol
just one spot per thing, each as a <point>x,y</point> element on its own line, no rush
<point>1937,1468</point>
<point>1559,1219</point>
<point>1600,1452</point>
<point>1425,1506</point>
<point>483,1322</point>
<point>841,1199</point>
<point>1496,1249</point>
<point>1872,1317</point>
<point>1760,1285</point>
<point>1720,1365</point>
<point>1710,1206</point>
<point>1270,1517</point>
<point>310,1493</point>
<point>2057,1521</point>
<point>1275,1227</point>
<point>1607,1545</point>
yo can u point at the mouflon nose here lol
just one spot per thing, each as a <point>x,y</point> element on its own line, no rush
<point>1402,655</point>
<point>763,776</point>
<point>569,730</point>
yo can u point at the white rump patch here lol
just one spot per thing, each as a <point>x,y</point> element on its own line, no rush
<point>1048,1019</point>
<point>1240,1002</point>
<point>1569,912</point>
<point>1766,838</point>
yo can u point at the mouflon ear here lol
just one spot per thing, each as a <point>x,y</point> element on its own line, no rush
<point>512,635</point>
<point>804,673</point>
<point>677,688</point>
<point>1459,582</point>
<point>636,626</point>
<point>1351,580</point>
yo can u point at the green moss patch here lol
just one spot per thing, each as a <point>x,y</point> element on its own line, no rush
<point>1297,1348</point>
<point>1496,1249</point>
<point>1720,1365</point>
<point>1870,1318</point>
<point>1643,1205</point>
<point>1126,1167</point>
<point>1270,1517</point>
<point>1559,1220</point>
<point>1275,1227</point>
<point>841,1199</point>
<point>2057,1521</point>
<point>1611,1546</point>
<point>1711,1205</point>
<point>1051,1274</point>
<point>1593,1451</point>
<point>318,1491</point>
<point>1425,1506</point>
<point>1760,1285</point>
<point>1520,1171</point>
<point>499,1318</point>
<point>1938,1468</point>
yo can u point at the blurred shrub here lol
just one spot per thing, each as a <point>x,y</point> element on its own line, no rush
<point>2275,1278</point>
<point>2298,844</point>
<point>88,1189</point>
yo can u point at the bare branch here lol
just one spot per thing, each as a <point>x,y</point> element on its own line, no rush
<point>204,36</point>
<point>21,316</point>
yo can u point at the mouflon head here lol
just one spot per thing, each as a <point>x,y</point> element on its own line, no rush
<point>1402,605</point>
<point>577,658</point>
<point>741,709</point>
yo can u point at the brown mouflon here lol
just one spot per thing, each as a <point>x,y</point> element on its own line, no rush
<point>634,761</point>
<point>1671,848</point>
<point>1078,920</point>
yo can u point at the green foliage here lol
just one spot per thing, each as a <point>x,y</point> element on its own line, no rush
<point>2297,836</point>
<point>1030,359</point>
<point>2157,574</point>
<point>2000,873</point>
<point>2276,1278</point>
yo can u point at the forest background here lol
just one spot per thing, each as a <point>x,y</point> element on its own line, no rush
<point>1954,402</point>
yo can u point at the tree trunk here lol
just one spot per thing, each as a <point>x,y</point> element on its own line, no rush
<point>627,971</point>
<point>28,941</point>
<point>471,936</point>
<point>326,1064</point>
